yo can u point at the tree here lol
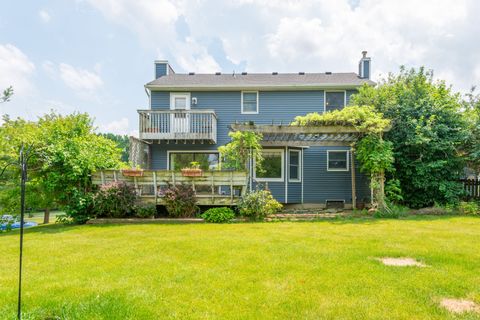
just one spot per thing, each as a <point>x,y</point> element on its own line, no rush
<point>122,141</point>
<point>7,94</point>
<point>66,151</point>
<point>427,134</point>
<point>471,104</point>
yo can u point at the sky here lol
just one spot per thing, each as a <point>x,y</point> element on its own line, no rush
<point>95,56</point>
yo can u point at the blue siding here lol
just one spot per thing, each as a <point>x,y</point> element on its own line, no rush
<point>366,69</point>
<point>160,69</point>
<point>349,95</point>
<point>277,107</point>
<point>160,100</point>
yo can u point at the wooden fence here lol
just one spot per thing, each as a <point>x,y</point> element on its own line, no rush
<point>471,187</point>
<point>211,188</point>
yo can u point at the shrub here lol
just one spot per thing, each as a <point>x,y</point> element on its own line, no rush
<point>114,200</point>
<point>391,212</point>
<point>180,200</point>
<point>79,209</point>
<point>218,215</point>
<point>469,208</point>
<point>145,211</point>
<point>258,204</point>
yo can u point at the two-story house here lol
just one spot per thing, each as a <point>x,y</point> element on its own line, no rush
<point>190,115</point>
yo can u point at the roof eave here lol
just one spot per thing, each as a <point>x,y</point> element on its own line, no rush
<point>256,87</point>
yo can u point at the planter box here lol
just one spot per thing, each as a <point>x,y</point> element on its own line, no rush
<point>132,173</point>
<point>192,172</point>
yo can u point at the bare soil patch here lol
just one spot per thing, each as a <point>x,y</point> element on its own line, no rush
<point>460,305</point>
<point>401,262</point>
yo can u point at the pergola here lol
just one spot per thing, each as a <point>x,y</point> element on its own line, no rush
<point>305,136</point>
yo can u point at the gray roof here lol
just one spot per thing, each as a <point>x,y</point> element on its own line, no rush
<point>259,80</point>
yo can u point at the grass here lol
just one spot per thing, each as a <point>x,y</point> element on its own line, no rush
<point>302,270</point>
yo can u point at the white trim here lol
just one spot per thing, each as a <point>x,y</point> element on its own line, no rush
<point>325,98</point>
<point>286,173</point>
<point>302,174</point>
<point>300,165</point>
<point>241,102</point>
<point>282,178</point>
<point>348,160</point>
<point>191,151</point>
<point>185,95</point>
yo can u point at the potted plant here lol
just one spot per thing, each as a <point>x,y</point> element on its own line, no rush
<point>133,172</point>
<point>192,171</point>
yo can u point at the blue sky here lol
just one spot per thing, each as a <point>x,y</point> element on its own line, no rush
<point>95,55</point>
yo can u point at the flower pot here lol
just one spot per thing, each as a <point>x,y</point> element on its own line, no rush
<point>187,172</point>
<point>132,172</point>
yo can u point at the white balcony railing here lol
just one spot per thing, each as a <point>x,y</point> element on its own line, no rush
<point>178,125</point>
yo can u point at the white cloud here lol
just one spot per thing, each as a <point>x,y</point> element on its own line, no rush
<point>80,79</point>
<point>85,83</point>
<point>44,16</point>
<point>117,126</point>
<point>16,69</point>
<point>309,35</point>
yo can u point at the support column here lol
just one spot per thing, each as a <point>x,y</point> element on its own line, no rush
<point>354,191</point>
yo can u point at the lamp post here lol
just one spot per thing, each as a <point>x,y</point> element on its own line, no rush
<point>24,153</point>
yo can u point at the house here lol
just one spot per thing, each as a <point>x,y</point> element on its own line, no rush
<point>190,115</point>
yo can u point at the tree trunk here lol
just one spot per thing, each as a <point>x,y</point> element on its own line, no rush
<point>381,191</point>
<point>46,216</point>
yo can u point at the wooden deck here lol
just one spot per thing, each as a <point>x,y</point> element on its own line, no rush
<point>212,188</point>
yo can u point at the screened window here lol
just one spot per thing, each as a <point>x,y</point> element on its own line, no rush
<point>180,160</point>
<point>272,166</point>
<point>334,100</point>
<point>337,160</point>
<point>249,102</point>
<point>294,163</point>
<point>180,103</point>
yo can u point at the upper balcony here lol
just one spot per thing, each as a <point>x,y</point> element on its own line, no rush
<point>178,125</point>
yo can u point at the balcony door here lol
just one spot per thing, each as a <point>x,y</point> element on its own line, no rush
<point>180,118</point>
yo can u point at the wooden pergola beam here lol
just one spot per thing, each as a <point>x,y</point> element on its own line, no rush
<point>279,129</point>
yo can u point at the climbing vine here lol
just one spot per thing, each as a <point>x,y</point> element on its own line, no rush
<point>374,154</point>
<point>244,145</point>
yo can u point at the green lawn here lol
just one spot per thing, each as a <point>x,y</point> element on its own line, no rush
<point>302,270</point>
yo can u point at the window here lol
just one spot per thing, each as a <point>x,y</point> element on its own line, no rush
<point>179,101</point>
<point>337,160</point>
<point>334,100</point>
<point>180,160</point>
<point>294,166</point>
<point>272,166</point>
<point>250,102</point>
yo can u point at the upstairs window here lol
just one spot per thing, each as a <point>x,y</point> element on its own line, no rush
<point>250,102</point>
<point>334,100</point>
<point>337,160</point>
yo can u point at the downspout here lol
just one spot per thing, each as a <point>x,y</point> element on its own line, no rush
<point>303,176</point>
<point>286,174</point>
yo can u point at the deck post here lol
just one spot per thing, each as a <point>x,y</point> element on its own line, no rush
<point>212,186</point>
<point>354,193</point>
<point>115,175</point>
<point>155,185</point>
<point>102,174</point>
<point>231,187</point>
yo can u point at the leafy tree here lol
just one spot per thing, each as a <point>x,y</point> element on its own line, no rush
<point>471,104</point>
<point>122,141</point>
<point>6,95</point>
<point>66,151</point>
<point>427,134</point>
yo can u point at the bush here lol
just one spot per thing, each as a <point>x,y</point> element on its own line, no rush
<point>218,215</point>
<point>469,208</point>
<point>391,212</point>
<point>258,204</point>
<point>115,200</point>
<point>145,211</point>
<point>79,209</point>
<point>180,200</point>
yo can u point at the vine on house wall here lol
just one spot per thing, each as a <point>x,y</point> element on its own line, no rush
<point>374,154</point>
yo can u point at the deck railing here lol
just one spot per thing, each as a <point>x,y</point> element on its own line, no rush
<point>178,125</point>
<point>211,188</point>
